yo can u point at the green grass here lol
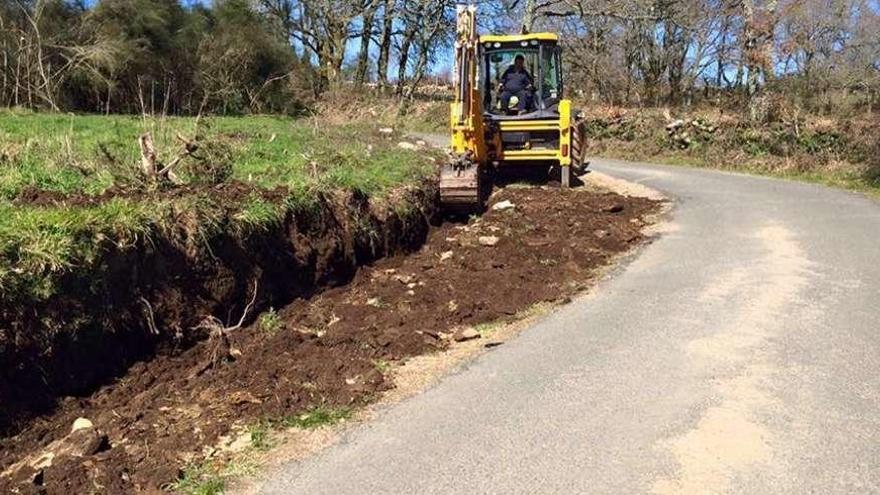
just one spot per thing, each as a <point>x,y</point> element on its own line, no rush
<point>199,479</point>
<point>842,179</point>
<point>37,243</point>
<point>88,154</point>
<point>317,417</point>
<point>260,434</point>
<point>210,476</point>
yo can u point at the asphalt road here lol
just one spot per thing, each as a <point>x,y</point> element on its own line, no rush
<point>739,353</point>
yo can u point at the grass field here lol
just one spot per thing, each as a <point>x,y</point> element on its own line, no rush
<point>87,155</point>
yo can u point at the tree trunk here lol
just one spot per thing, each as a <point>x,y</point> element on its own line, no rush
<point>385,43</point>
<point>366,36</point>
<point>403,59</point>
<point>529,15</point>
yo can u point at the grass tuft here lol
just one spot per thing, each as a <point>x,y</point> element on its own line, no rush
<point>199,479</point>
<point>270,322</point>
<point>318,417</point>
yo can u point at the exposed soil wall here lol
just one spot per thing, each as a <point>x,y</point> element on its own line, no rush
<point>146,298</point>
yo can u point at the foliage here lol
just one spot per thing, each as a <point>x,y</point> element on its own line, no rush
<point>226,56</point>
<point>834,151</point>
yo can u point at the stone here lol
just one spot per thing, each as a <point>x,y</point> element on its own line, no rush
<point>465,334</point>
<point>488,240</point>
<point>407,146</point>
<point>503,205</point>
<point>615,208</point>
<point>83,442</point>
<point>386,130</point>
<point>81,423</point>
<point>445,255</point>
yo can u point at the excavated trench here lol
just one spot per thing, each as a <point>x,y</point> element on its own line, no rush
<point>355,285</point>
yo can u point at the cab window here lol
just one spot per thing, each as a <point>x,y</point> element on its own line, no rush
<point>498,61</point>
<point>550,88</point>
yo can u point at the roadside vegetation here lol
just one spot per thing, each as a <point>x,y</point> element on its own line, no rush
<point>832,149</point>
<point>70,186</point>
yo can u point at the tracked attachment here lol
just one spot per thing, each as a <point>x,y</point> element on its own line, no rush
<point>460,190</point>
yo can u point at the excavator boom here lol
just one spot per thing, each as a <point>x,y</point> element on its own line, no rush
<point>460,184</point>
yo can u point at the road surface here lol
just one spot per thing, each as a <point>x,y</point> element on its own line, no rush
<point>739,353</point>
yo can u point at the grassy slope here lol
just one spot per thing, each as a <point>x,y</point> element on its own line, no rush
<point>89,154</point>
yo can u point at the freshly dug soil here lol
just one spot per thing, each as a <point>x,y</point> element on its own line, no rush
<point>327,349</point>
<point>143,299</point>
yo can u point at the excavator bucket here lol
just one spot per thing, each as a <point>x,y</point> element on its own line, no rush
<point>460,187</point>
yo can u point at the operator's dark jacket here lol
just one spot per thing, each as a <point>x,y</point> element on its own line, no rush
<point>515,81</point>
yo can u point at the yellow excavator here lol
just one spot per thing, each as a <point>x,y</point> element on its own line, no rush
<point>494,128</point>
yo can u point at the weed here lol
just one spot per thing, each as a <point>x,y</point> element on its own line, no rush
<point>260,436</point>
<point>270,322</point>
<point>485,329</point>
<point>317,417</point>
<point>382,366</point>
<point>199,479</point>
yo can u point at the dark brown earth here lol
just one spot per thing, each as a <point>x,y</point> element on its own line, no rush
<point>137,300</point>
<point>162,413</point>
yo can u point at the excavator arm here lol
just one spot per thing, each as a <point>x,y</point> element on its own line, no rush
<point>460,178</point>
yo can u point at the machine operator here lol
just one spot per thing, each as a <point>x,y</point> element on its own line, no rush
<point>516,81</point>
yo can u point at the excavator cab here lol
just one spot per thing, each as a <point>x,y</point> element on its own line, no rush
<point>494,125</point>
<point>541,65</point>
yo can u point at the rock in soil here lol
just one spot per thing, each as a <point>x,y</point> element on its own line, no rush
<point>615,208</point>
<point>488,240</point>
<point>158,418</point>
<point>465,334</point>
<point>503,205</point>
<point>81,423</point>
